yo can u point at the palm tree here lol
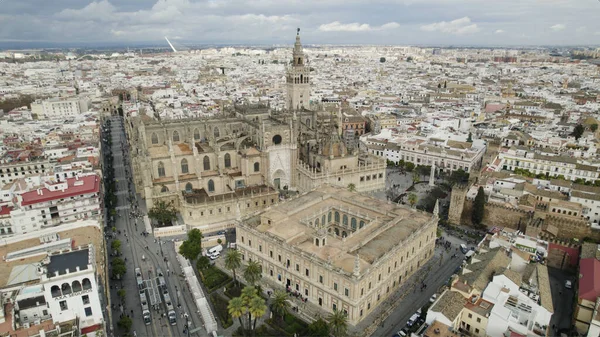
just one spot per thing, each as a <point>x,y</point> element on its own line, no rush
<point>233,260</point>
<point>279,304</point>
<point>338,321</point>
<point>237,309</point>
<point>412,199</point>
<point>248,293</point>
<point>257,308</point>
<point>253,272</point>
<point>351,187</point>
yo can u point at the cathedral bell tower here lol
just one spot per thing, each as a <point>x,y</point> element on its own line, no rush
<point>298,79</point>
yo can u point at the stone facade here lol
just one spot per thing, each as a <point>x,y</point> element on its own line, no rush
<point>341,250</point>
<point>219,169</point>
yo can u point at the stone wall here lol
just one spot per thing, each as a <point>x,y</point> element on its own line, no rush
<point>457,201</point>
<point>563,255</point>
<point>501,216</point>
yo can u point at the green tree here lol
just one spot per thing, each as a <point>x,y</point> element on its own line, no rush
<point>125,323</point>
<point>338,322</point>
<point>594,127</point>
<point>233,260</point>
<point>118,267</point>
<point>192,246</point>
<point>116,246</point>
<point>237,309</point>
<point>253,272</point>
<point>415,177</point>
<point>203,263</point>
<point>257,308</point>
<point>578,131</point>
<point>319,328</point>
<point>163,212</point>
<point>279,303</point>
<point>412,199</point>
<point>478,206</point>
<point>409,167</point>
<point>382,59</point>
<point>351,187</point>
<point>121,293</point>
<point>458,176</point>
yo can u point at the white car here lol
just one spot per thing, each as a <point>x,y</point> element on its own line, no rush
<point>214,256</point>
<point>568,284</point>
<point>432,299</point>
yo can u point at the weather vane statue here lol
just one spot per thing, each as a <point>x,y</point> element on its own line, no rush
<point>298,32</point>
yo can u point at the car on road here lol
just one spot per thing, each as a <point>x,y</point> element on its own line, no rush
<point>433,298</point>
<point>412,320</point>
<point>220,232</point>
<point>568,284</point>
<point>214,256</point>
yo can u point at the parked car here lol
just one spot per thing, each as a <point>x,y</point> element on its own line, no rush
<point>433,298</point>
<point>412,320</point>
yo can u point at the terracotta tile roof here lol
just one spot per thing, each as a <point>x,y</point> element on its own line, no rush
<point>589,282</point>
<point>83,185</point>
<point>450,304</point>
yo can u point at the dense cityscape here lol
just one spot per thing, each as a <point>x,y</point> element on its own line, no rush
<point>300,189</point>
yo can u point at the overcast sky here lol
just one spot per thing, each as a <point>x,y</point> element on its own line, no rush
<point>442,22</point>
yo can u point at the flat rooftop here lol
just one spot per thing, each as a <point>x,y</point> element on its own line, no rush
<point>386,225</point>
<point>68,262</point>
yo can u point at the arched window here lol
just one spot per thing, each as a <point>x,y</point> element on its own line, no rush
<point>344,234</point>
<point>316,221</point>
<point>353,223</point>
<point>188,187</point>
<point>66,289</point>
<point>337,217</point>
<point>317,242</point>
<point>323,219</point>
<point>308,122</point>
<point>196,134</point>
<point>211,185</point>
<point>256,167</point>
<point>227,160</point>
<point>184,166</point>
<point>55,291</point>
<point>154,138</point>
<point>362,224</point>
<point>301,78</point>
<point>337,232</point>
<point>164,189</point>
<point>175,136</point>
<point>345,220</point>
<point>161,169</point>
<point>86,284</point>
<point>329,217</point>
<point>217,133</point>
<point>206,162</point>
<point>76,285</point>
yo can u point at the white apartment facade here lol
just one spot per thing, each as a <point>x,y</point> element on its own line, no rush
<point>56,203</point>
<point>446,155</point>
<point>59,107</point>
<point>15,170</point>
<point>551,166</point>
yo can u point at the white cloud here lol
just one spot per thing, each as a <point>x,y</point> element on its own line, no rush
<point>337,26</point>
<point>458,27</point>
<point>558,27</point>
<point>499,31</point>
<point>581,29</point>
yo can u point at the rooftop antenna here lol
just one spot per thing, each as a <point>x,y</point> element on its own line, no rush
<point>170,44</point>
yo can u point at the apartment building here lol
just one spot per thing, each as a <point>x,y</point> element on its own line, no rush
<point>551,166</point>
<point>55,203</point>
<point>342,250</point>
<point>11,171</point>
<point>59,107</point>
<point>62,292</point>
<point>447,155</point>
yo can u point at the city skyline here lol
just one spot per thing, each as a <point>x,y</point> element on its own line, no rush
<point>422,22</point>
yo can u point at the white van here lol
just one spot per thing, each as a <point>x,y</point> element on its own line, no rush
<point>463,248</point>
<point>216,249</point>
